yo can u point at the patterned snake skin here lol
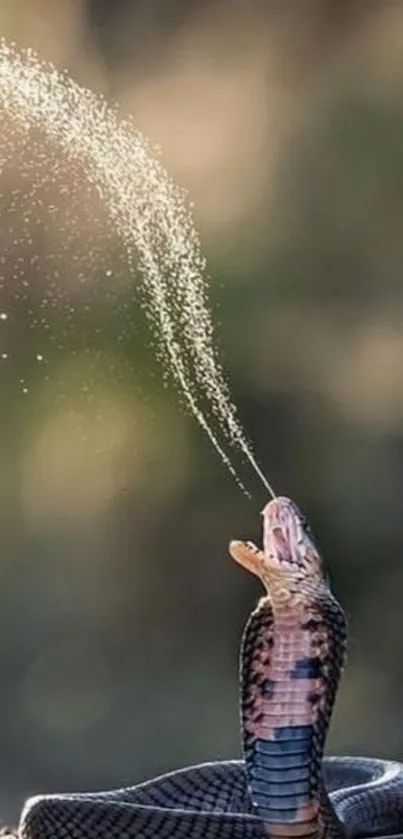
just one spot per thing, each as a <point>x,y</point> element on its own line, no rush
<point>291,660</point>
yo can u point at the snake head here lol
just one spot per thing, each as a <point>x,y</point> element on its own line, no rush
<point>287,537</point>
<point>289,553</point>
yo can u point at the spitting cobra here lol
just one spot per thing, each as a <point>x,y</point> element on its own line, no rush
<point>292,655</point>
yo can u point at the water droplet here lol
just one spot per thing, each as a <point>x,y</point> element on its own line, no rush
<point>3,315</point>
<point>39,357</point>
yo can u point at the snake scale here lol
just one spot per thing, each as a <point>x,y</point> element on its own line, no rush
<point>292,655</point>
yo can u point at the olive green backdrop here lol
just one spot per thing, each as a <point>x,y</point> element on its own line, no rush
<point>120,610</point>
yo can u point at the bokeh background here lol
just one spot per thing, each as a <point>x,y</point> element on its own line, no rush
<point>120,611</point>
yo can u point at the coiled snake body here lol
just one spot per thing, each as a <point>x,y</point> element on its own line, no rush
<point>291,660</point>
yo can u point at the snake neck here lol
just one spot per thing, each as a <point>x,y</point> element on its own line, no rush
<point>291,661</point>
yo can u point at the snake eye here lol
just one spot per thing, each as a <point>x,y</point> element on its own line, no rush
<point>306,526</point>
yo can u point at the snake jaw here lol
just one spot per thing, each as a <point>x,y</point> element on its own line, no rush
<point>248,555</point>
<point>276,581</point>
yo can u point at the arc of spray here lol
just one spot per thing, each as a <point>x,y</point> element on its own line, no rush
<point>150,216</point>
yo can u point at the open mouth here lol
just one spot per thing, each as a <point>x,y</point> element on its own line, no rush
<point>279,546</point>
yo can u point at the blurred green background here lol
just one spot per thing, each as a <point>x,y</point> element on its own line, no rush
<point>120,611</point>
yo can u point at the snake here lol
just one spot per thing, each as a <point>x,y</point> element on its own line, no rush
<point>292,655</point>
